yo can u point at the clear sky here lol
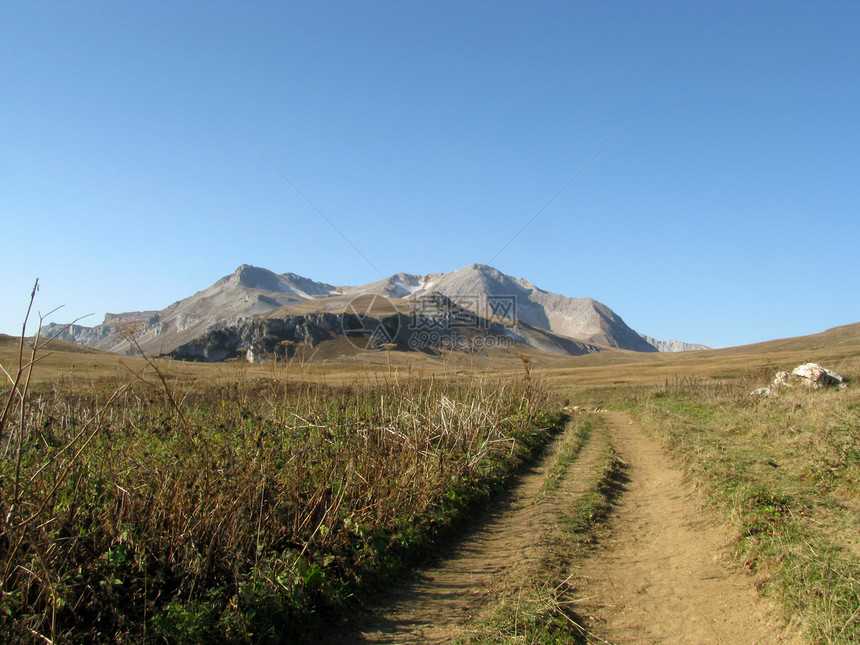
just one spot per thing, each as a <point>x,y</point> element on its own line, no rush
<point>429,133</point>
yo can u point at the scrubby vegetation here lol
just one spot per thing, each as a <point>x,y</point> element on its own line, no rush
<point>249,509</point>
<point>162,511</point>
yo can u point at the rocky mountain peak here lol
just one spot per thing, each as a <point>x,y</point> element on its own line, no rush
<point>256,278</point>
<point>256,292</point>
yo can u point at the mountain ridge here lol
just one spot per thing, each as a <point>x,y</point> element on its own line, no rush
<point>252,291</point>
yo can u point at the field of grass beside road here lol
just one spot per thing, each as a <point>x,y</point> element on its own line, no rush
<point>247,512</point>
<point>783,472</point>
<point>237,503</point>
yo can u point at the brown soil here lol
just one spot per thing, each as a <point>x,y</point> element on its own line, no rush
<point>489,563</point>
<point>660,573</point>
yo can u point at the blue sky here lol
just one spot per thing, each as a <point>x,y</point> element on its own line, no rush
<point>725,213</point>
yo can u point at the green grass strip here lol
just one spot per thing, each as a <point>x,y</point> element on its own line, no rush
<point>543,611</point>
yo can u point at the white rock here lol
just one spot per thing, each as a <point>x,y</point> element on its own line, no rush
<point>763,391</point>
<point>817,376</point>
<point>782,379</point>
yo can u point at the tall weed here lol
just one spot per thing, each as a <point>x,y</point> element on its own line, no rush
<point>243,512</point>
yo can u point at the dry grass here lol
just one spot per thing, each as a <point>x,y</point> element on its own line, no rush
<point>151,505</point>
<point>784,473</point>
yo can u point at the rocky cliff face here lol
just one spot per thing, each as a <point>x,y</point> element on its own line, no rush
<point>673,345</point>
<point>260,340</point>
<point>488,291</point>
<point>252,292</point>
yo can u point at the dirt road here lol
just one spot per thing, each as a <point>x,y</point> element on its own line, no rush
<point>497,555</point>
<point>661,574</point>
<point>658,575</point>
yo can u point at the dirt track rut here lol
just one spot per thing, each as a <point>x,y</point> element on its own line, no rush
<point>659,574</point>
<point>441,602</point>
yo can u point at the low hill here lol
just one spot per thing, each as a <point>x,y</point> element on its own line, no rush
<point>842,336</point>
<point>837,348</point>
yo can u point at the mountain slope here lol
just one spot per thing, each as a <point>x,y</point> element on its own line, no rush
<point>488,291</point>
<point>248,291</point>
<point>392,326</point>
<point>251,292</point>
<point>673,345</point>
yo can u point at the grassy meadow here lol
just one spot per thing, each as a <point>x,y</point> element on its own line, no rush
<point>153,501</point>
<point>161,508</point>
<point>783,473</point>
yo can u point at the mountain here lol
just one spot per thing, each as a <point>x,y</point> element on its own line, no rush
<point>436,324</point>
<point>248,291</point>
<point>488,291</point>
<point>251,293</point>
<point>673,345</point>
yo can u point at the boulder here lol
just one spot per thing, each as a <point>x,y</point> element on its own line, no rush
<point>763,391</point>
<point>813,375</point>
<point>816,376</point>
<point>782,379</point>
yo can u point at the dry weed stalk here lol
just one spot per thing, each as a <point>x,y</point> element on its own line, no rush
<point>133,508</point>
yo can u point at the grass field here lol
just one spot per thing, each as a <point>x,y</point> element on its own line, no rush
<point>159,507</point>
<point>783,473</point>
<point>153,501</point>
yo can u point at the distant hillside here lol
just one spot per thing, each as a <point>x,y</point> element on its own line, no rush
<point>46,343</point>
<point>842,336</point>
<point>673,345</point>
<point>252,292</point>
